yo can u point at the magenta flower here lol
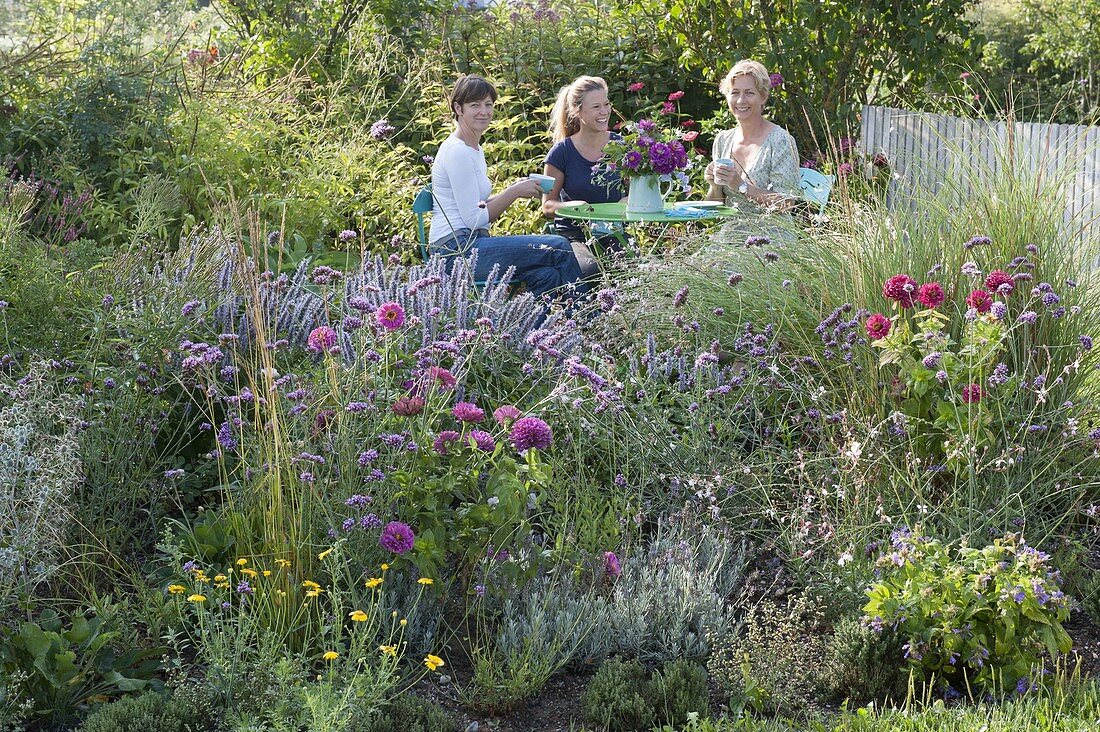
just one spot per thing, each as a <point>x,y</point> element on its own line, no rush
<point>445,438</point>
<point>998,279</point>
<point>506,413</point>
<point>632,160</point>
<point>408,406</point>
<point>611,565</point>
<point>637,86</point>
<point>972,394</point>
<point>482,440</point>
<point>397,537</point>
<point>675,96</point>
<point>901,289</point>
<point>321,339</point>
<point>668,108</point>
<point>844,170</point>
<point>980,300</point>
<point>930,295</point>
<point>878,326</point>
<point>531,432</point>
<point>390,315</point>
<point>776,80</point>
<point>443,378</point>
<point>468,412</point>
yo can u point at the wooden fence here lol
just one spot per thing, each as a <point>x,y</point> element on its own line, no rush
<point>923,149</point>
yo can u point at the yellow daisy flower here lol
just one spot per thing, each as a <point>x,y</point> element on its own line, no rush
<point>249,572</point>
<point>197,598</point>
<point>331,655</point>
<point>267,573</point>
<point>425,580</point>
<point>358,616</point>
<point>284,563</point>
<point>374,582</point>
<point>220,578</point>
<point>385,567</point>
<point>433,662</point>
<point>325,553</point>
<point>388,651</point>
<point>176,589</point>
<point>241,562</point>
<point>311,585</point>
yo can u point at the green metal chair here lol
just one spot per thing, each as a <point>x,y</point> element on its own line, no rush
<point>816,187</point>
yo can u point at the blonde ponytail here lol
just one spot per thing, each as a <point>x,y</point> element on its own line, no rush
<point>563,117</point>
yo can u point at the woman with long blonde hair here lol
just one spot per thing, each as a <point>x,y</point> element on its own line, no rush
<point>580,128</point>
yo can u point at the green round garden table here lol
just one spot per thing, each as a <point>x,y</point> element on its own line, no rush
<point>616,212</point>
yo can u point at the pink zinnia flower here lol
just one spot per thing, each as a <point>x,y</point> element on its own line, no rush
<point>998,279</point>
<point>468,412</point>
<point>668,108</point>
<point>844,170</point>
<point>391,315</point>
<point>611,565</point>
<point>408,406</point>
<point>776,80</point>
<point>972,394</point>
<point>321,339</point>
<point>878,326</point>
<point>445,438</point>
<point>531,432</point>
<point>901,289</point>
<point>637,86</point>
<point>690,136</point>
<point>930,295</point>
<point>675,96</point>
<point>506,413</point>
<point>482,440</point>
<point>980,300</point>
<point>441,376</point>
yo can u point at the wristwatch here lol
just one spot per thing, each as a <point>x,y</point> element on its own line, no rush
<point>743,189</point>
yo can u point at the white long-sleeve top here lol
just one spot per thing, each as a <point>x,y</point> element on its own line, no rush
<point>460,181</point>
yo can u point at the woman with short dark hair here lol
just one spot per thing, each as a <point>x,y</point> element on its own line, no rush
<point>464,205</point>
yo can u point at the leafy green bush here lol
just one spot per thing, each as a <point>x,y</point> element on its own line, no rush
<point>971,616</point>
<point>679,690</point>
<point>149,712</point>
<point>408,713</point>
<point>864,665</point>
<point>69,665</point>
<point>615,698</point>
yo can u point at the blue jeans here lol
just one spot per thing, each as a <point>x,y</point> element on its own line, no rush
<point>543,262</point>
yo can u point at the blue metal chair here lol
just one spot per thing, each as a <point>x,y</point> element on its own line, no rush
<point>816,187</point>
<point>422,205</point>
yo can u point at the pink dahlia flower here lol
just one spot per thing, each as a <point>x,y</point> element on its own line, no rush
<point>1000,282</point>
<point>468,412</point>
<point>321,339</point>
<point>506,413</point>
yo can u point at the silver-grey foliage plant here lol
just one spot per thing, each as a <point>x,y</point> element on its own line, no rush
<point>40,468</point>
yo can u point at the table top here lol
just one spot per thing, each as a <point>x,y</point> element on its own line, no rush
<point>617,212</point>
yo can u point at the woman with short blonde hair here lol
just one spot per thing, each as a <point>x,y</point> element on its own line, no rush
<point>754,166</point>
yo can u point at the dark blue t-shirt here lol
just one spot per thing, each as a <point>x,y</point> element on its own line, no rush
<point>578,184</point>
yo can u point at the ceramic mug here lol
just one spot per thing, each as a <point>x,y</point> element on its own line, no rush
<point>546,182</point>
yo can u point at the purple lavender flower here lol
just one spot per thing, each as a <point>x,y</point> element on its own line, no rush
<point>1029,317</point>
<point>941,376</point>
<point>771,257</point>
<point>107,301</point>
<point>757,241</point>
<point>225,436</point>
<point>932,360</point>
<point>971,269</point>
<point>735,279</point>
<point>369,521</point>
<point>397,537</point>
<point>346,235</point>
<point>358,501</point>
<point>531,432</point>
<point>189,307</point>
<point>611,565</point>
<point>977,241</point>
<point>324,275</point>
<point>607,299</point>
<point>999,310</point>
<point>244,588</point>
<point>999,375</point>
<point>1050,299</point>
<point>680,297</point>
<point>1086,342</point>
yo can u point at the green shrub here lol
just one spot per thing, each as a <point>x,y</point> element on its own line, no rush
<point>615,698</point>
<point>408,713</point>
<point>678,690</point>
<point>149,712</point>
<point>863,665</point>
<point>970,615</point>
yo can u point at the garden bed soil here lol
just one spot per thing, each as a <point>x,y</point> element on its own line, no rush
<point>1086,643</point>
<point>557,708</point>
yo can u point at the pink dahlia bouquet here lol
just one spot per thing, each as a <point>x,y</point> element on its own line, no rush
<point>645,149</point>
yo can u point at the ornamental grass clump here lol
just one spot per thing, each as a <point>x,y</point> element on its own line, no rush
<point>975,618</point>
